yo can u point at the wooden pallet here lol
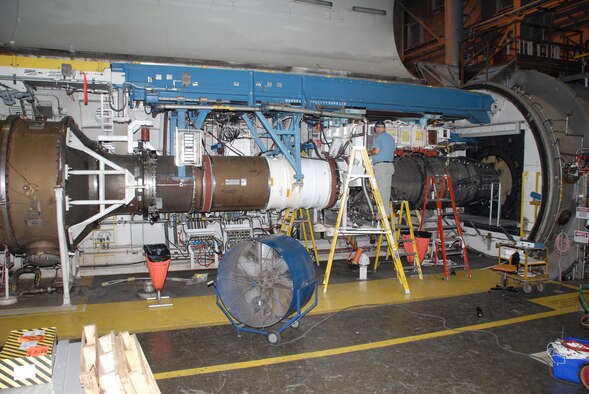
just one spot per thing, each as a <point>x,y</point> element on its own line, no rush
<point>114,364</point>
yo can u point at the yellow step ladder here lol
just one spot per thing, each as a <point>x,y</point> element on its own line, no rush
<point>384,229</point>
<point>401,220</point>
<point>288,221</point>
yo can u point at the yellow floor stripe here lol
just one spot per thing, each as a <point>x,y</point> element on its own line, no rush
<point>201,311</point>
<point>559,301</point>
<point>354,348</point>
<point>564,285</point>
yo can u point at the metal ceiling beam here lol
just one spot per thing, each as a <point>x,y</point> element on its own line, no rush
<point>420,20</point>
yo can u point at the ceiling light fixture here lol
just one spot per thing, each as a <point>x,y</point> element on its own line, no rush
<point>316,2</point>
<point>366,10</point>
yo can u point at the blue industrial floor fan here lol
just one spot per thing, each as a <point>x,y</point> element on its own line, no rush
<point>263,285</point>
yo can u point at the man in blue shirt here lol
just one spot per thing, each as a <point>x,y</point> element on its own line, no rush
<point>383,152</point>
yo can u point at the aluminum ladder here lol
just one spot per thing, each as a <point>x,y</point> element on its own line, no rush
<point>361,154</point>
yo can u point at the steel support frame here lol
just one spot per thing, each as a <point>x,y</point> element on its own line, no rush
<point>288,140</point>
<point>254,132</point>
<point>64,253</point>
<point>74,143</point>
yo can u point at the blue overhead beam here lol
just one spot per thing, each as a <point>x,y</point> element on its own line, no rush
<point>161,84</point>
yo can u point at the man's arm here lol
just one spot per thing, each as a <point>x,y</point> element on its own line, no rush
<point>375,147</point>
<point>374,151</point>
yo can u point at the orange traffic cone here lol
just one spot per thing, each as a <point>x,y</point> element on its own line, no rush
<point>158,271</point>
<point>158,262</point>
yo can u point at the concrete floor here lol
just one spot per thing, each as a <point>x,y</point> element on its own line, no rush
<point>363,337</point>
<point>386,349</point>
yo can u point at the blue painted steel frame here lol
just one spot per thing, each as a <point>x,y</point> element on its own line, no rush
<point>160,84</point>
<point>288,140</point>
<point>165,84</point>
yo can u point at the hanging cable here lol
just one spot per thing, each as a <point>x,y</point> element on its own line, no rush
<point>562,245</point>
<point>85,89</point>
<point>110,100</point>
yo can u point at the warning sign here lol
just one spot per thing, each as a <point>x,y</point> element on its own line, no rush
<point>581,237</point>
<point>582,213</point>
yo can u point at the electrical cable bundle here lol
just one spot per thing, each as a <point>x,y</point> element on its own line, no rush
<point>562,245</point>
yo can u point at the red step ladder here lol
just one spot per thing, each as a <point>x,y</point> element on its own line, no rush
<point>439,189</point>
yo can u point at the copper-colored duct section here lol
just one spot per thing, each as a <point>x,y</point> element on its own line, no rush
<point>33,156</point>
<point>28,216</point>
<point>235,183</point>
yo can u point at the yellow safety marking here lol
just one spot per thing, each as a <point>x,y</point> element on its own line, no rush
<point>564,285</point>
<point>52,63</point>
<point>354,348</point>
<point>135,316</point>
<point>40,311</point>
<point>568,300</point>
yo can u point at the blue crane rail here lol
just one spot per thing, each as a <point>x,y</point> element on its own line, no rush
<point>167,84</point>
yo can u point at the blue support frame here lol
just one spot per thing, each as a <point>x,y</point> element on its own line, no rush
<point>201,118</point>
<point>161,84</point>
<point>254,132</point>
<point>288,141</point>
<point>166,84</point>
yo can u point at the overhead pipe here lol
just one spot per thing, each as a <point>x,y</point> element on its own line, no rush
<point>196,107</point>
<point>454,30</point>
<point>243,108</point>
<point>284,108</point>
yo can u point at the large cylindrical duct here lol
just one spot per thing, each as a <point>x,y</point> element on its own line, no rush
<point>28,216</point>
<point>172,193</point>
<point>251,183</point>
<point>471,179</point>
<point>36,157</point>
<point>319,188</point>
<point>235,183</point>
